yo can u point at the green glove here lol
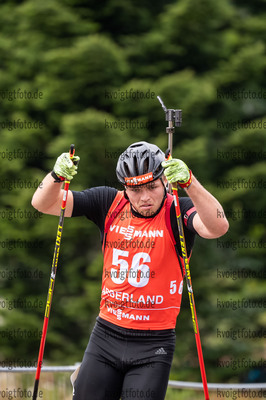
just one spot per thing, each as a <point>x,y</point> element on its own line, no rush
<point>65,167</point>
<point>177,171</point>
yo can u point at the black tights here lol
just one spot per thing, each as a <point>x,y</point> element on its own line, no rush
<point>125,364</point>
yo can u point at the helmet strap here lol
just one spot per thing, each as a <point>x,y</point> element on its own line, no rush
<point>165,187</point>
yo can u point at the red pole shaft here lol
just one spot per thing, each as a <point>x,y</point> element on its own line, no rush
<point>190,292</point>
<point>52,282</point>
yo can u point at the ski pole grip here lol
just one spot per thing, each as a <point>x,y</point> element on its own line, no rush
<point>72,151</point>
<point>168,157</point>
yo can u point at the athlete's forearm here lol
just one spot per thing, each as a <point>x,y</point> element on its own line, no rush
<point>48,197</point>
<point>209,209</point>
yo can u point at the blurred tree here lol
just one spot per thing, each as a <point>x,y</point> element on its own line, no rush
<point>89,60</point>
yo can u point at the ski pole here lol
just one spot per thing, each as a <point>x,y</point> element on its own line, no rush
<point>52,281</point>
<point>176,116</point>
<point>190,290</point>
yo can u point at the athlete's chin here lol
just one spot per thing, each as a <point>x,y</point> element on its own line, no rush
<point>147,211</point>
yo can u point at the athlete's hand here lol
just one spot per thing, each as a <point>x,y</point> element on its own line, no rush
<point>66,167</point>
<point>177,171</point>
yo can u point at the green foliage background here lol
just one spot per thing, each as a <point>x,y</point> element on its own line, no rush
<point>203,56</point>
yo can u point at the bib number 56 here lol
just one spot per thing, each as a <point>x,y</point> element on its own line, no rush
<point>138,273</point>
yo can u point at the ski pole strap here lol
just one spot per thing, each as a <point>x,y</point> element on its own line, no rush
<point>188,183</point>
<point>57,179</point>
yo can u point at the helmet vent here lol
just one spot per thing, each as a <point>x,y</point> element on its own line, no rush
<point>126,169</point>
<point>146,165</point>
<point>136,165</point>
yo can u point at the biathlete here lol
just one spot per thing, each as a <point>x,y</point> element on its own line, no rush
<point>131,347</point>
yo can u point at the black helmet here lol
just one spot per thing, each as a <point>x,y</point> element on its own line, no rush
<point>139,163</point>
